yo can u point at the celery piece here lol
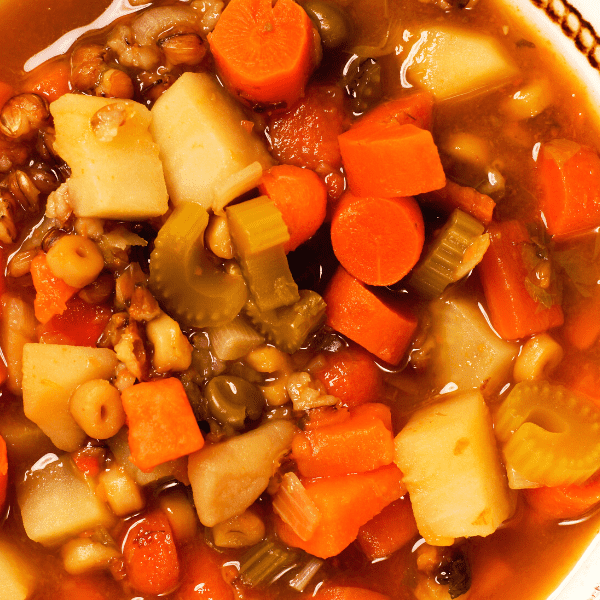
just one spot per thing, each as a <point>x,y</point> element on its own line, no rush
<point>551,435</point>
<point>289,326</point>
<point>258,233</point>
<point>266,562</point>
<point>441,265</point>
<point>256,225</point>
<point>234,339</point>
<point>183,277</point>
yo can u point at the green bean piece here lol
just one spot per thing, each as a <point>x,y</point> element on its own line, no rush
<point>438,268</point>
<point>331,21</point>
<point>232,399</point>
<point>289,326</point>
<point>258,233</point>
<point>551,435</point>
<point>184,278</point>
<point>263,563</point>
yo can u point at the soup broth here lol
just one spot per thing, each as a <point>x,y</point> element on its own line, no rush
<point>155,449</point>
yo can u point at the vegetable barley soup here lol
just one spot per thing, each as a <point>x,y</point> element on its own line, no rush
<point>298,300</point>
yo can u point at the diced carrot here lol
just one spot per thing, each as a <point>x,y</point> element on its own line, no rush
<point>203,575</point>
<point>345,503</point>
<point>307,134</point>
<point>391,160</point>
<point>150,555</point>
<point>362,443</point>
<point>569,187</point>
<point>301,197</point>
<point>80,325</point>
<point>264,53</point>
<point>351,375</point>
<point>340,592</point>
<point>3,472</point>
<point>565,502</point>
<point>161,422</point>
<point>6,92</point>
<point>468,199</point>
<point>509,285</point>
<point>377,240</point>
<point>52,293</point>
<point>383,328</point>
<point>582,325</point>
<point>50,80</point>
<point>415,108</point>
<point>388,531</point>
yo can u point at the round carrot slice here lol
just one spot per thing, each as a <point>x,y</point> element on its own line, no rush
<point>377,240</point>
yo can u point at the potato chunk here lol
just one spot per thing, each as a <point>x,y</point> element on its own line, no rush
<point>448,455</point>
<point>450,62</point>
<point>204,145</point>
<point>115,169</point>
<point>468,353</point>
<point>57,503</point>
<point>51,372</point>
<point>17,579</point>
<point>229,476</point>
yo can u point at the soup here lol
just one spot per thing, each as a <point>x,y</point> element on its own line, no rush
<point>298,301</point>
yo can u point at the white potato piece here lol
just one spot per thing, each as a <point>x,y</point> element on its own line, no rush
<point>51,373</point>
<point>119,446</point>
<point>57,503</point>
<point>203,143</point>
<point>452,470</point>
<point>450,62</point>
<point>115,169</point>
<point>229,476</point>
<point>468,353</point>
<point>17,579</point>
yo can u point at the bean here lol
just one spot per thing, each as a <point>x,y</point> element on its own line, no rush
<point>331,21</point>
<point>231,399</point>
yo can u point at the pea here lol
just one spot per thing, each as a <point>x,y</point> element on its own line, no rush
<point>331,21</point>
<point>232,399</point>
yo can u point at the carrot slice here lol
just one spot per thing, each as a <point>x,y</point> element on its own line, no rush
<point>468,199</point>
<point>362,443</point>
<point>80,325</point>
<point>569,187</point>
<point>377,240</point>
<point>264,53</point>
<point>161,422</point>
<point>341,592</point>
<point>300,196</point>
<point>50,80</point>
<point>345,503</point>
<point>391,160</point>
<point>52,293</point>
<point>203,575</point>
<point>565,502</point>
<point>351,375</point>
<point>150,555</point>
<point>514,309</point>
<point>388,531</point>
<point>383,328</point>
<point>415,108</point>
<point>3,471</point>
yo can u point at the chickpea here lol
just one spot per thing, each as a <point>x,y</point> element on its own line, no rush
<point>96,407</point>
<point>23,115</point>
<point>115,83</point>
<point>183,49</point>
<point>217,237</point>
<point>76,260</point>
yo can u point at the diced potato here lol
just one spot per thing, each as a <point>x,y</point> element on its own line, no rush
<point>82,555</point>
<point>450,62</point>
<point>57,503</point>
<point>120,491</point>
<point>204,144</point>
<point>17,579</point>
<point>172,469</point>
<point>115,169</point>
<point>229,476</point>
<point>468,353</point>
<point>51,372</point>
<point>448,455</point>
